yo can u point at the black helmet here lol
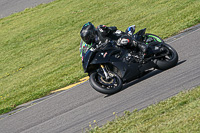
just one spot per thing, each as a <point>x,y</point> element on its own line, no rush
<point>88,33</point>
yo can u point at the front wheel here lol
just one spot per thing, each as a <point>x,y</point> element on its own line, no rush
<point>169,60</point>
<point>105,86</point>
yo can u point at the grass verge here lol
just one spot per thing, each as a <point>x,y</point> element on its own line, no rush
<point>40,46</point>
<point>177,114</point>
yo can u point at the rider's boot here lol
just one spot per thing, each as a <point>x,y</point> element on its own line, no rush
<point>143,50</point>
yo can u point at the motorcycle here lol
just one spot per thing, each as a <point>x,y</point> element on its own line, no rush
<point>110,66</point>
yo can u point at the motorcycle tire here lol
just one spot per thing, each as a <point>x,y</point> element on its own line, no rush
<point>171,61</point>
<point>96,83</point>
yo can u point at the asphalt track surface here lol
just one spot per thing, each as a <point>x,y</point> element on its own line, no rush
<point>73,110</point>
<point>8,7</point>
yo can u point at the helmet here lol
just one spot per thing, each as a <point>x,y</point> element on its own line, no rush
<point>88,33</point>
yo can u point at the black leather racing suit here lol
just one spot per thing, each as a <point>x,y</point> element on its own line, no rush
<point>106,34</point>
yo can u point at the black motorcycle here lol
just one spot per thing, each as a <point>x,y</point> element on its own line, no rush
<point>110,66</point>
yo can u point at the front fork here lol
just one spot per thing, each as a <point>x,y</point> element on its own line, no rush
<point>105,72</point>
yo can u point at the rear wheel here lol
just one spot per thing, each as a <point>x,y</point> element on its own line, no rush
<point>169,60</point>
<point>106,86</point>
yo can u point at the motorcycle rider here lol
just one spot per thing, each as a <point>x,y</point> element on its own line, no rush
<point>103,34</point>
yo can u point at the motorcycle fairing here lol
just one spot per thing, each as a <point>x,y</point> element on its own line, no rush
<point>96,57</point>
<point>87,59</point>
<point>128,70</point>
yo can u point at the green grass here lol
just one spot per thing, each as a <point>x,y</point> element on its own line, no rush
<point>179,114</point>
<point>40,46</point>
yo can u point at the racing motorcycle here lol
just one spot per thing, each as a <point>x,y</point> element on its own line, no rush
<point>110,66</point>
